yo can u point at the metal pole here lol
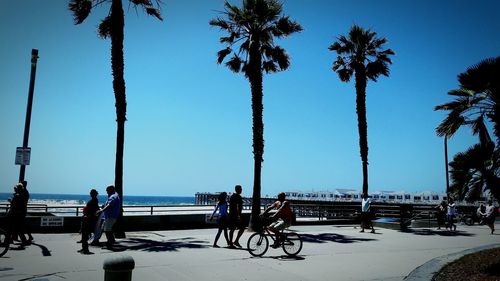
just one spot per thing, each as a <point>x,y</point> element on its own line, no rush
<point>34,59</point>
<point>446,166</point>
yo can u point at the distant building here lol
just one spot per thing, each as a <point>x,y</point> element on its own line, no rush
<point>351,195</point>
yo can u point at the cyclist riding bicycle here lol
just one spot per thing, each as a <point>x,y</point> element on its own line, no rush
<point>284,215</point>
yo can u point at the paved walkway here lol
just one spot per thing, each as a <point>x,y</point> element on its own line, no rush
<point>329,253</point>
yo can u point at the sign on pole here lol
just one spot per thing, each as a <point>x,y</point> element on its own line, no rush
<point>23,155</point>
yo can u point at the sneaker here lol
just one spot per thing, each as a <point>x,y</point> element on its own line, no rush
<point>275,245</point>
<point>216,246</point>
<point>84,252</point>
<point>237,244</point>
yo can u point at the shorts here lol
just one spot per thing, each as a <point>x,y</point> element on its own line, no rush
<point>280,224</point>
<point>235,223</point>
<point>108,224</point>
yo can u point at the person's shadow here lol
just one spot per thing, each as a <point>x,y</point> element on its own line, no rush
<point>149,245</point>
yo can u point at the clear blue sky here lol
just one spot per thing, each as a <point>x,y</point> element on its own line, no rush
<point>189,119</point>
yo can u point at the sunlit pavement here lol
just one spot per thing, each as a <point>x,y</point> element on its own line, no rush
<point>329,253</point>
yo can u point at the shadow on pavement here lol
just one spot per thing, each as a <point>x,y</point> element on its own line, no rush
<point>332,237</point>
<point>148,245</point>
<point>45,250</point>
<point>429,232</point>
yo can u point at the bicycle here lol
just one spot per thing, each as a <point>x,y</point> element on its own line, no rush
<point>4,242</point>
<point>258,243</point>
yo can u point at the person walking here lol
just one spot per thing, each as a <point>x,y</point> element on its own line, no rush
<point>89,220</point>
<point>26,197</point>
<point>441,214</point>
<point>111,212</point>
<point>222,219</point>
<point>235,216</point>
<point>489,216</point>
<point>16,215</point>
<point>450,215</point>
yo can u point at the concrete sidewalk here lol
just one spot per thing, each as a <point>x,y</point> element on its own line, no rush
<point>329,253</point>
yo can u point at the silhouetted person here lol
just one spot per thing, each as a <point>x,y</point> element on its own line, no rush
<point>26,198</point>
<point>222,219</point>
<point>17,214</point>
<point>366,214</point>
<point>450,215</point>
<point>111,212</point>
<point>489,216</point>
<point>284,217</point>
<point>441,214</point>
<point>235,216</point>
<point>89,220</point>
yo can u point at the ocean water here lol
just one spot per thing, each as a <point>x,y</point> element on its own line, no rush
<point>73,199</point>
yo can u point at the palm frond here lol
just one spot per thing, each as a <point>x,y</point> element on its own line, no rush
<point>153,12</point>
<point>481,76</point>
<point>284,27</point>
<point>461,92</point>
<point>81,9</point>
<point>375,69</point>
<point>141,2</point>
<point>234,64</point>
<point>222,54</point>
<point>345,74</point>
<point>219,23</point>
<point>104,28</point>
<point>450,125</point>
<point>256,23</point>
<point>269,66</point>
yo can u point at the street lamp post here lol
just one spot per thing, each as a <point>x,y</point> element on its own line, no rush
<point>34,59</point>
<point>446,166</point>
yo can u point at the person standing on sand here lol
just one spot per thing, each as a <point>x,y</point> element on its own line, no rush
<point>111,212</point>
<point>235,216</point>
<point>89,220</point>
<point>222,220</point>
<point>366,215</point>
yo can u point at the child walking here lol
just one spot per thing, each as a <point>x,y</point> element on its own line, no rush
<point>222,220</point>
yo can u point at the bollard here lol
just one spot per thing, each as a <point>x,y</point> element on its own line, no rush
<point>118,268</point>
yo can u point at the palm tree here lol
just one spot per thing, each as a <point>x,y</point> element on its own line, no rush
<point>361,54</point>
<point>251,31</point>
<point>113,27</point>
<point>477,98</point>
<point>476,103</point>
<point>468,174</point>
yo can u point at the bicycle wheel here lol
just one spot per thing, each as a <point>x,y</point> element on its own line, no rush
<point>257,244</point>
<point>469,221</point>
<point>4,242</point>
<point>292,244</point>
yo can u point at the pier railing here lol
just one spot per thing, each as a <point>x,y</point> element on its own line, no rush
<point>302,210</point>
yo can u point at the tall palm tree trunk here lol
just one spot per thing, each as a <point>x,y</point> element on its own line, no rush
<point>117,65</point>
<point>255,79</point>
<point>362,124</point>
